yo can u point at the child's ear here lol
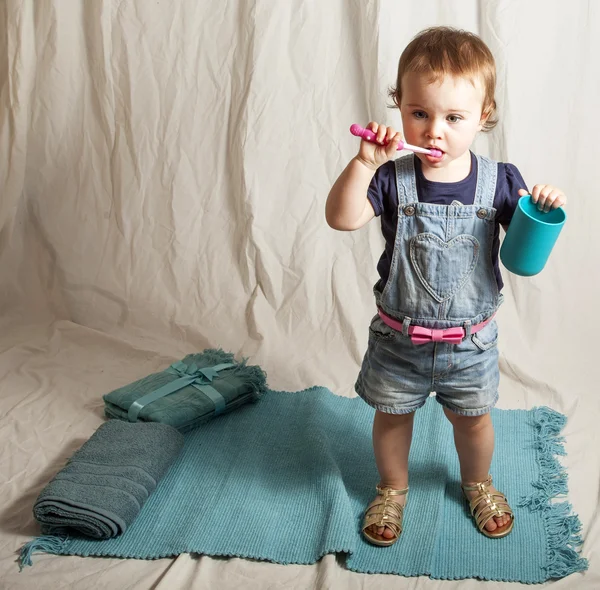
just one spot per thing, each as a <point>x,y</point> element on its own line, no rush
<point>485,115</point>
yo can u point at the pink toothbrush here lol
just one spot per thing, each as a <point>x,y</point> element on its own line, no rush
<point>370,136</point>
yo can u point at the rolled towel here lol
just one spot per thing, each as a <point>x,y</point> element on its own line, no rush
<point>189,392</point>
<point>107,481</point>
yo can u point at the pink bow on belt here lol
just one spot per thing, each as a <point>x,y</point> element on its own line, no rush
<point>420,335</point>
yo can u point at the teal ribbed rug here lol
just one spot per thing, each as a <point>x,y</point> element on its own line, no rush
<point>287,479</point>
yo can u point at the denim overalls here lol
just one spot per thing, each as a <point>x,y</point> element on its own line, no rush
<point>441,277</point>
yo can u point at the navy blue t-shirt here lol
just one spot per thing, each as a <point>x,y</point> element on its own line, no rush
<point>383,195</point>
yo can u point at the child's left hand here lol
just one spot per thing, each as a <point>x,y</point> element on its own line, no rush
<point>546,196</point>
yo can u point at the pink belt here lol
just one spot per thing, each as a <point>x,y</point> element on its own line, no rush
<point>420,335</point>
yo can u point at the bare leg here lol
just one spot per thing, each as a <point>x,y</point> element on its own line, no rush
<point>474,440</point>
<point>392,434</point>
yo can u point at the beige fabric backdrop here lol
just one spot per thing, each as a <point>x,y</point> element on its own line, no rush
<point>163,174</point>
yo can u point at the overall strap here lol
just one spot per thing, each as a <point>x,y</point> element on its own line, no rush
<point>487,176</point>
<point>406,182</point>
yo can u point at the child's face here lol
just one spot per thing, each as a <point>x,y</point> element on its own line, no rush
<point>445,114</point>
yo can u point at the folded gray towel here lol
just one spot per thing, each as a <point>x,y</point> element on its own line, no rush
<point>106,482</point>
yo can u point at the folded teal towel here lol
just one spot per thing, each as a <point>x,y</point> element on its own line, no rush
<point>107,481</point>
<point>189,392</point>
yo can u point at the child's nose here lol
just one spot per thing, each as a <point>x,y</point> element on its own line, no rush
<point>435,129</point>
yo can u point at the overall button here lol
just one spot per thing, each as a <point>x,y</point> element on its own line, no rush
<point>481,213</point>
<point>409,210</point>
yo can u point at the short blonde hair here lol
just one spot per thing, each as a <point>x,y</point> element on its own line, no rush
<point>440,51</point>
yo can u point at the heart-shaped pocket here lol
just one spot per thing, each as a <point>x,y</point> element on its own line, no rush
<point>443,267</point>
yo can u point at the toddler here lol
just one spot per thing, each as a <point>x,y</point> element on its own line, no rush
<point>440,283</point>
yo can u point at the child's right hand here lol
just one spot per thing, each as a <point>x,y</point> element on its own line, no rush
<point>374,155</point>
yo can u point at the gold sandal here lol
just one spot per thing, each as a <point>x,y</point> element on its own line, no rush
<point>492,504</point>
<point>384,512</point>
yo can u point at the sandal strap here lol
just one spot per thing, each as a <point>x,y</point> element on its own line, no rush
<point>478,485</point>
<point>494,502</point>
<point>390,515</point>
<point>387,491</point>
<point>486,513</point>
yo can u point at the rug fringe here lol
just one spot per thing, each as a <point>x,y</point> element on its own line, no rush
<point>45,544</point>
<point>564,538</point>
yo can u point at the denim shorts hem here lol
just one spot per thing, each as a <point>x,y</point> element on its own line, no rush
<point>465,412</point>
<point>387,409</point>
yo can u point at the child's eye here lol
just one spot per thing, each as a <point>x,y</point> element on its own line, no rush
<point>417,114</point>
<point>454,118</point>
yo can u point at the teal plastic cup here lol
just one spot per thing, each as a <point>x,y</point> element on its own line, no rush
<point>530,237</point>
